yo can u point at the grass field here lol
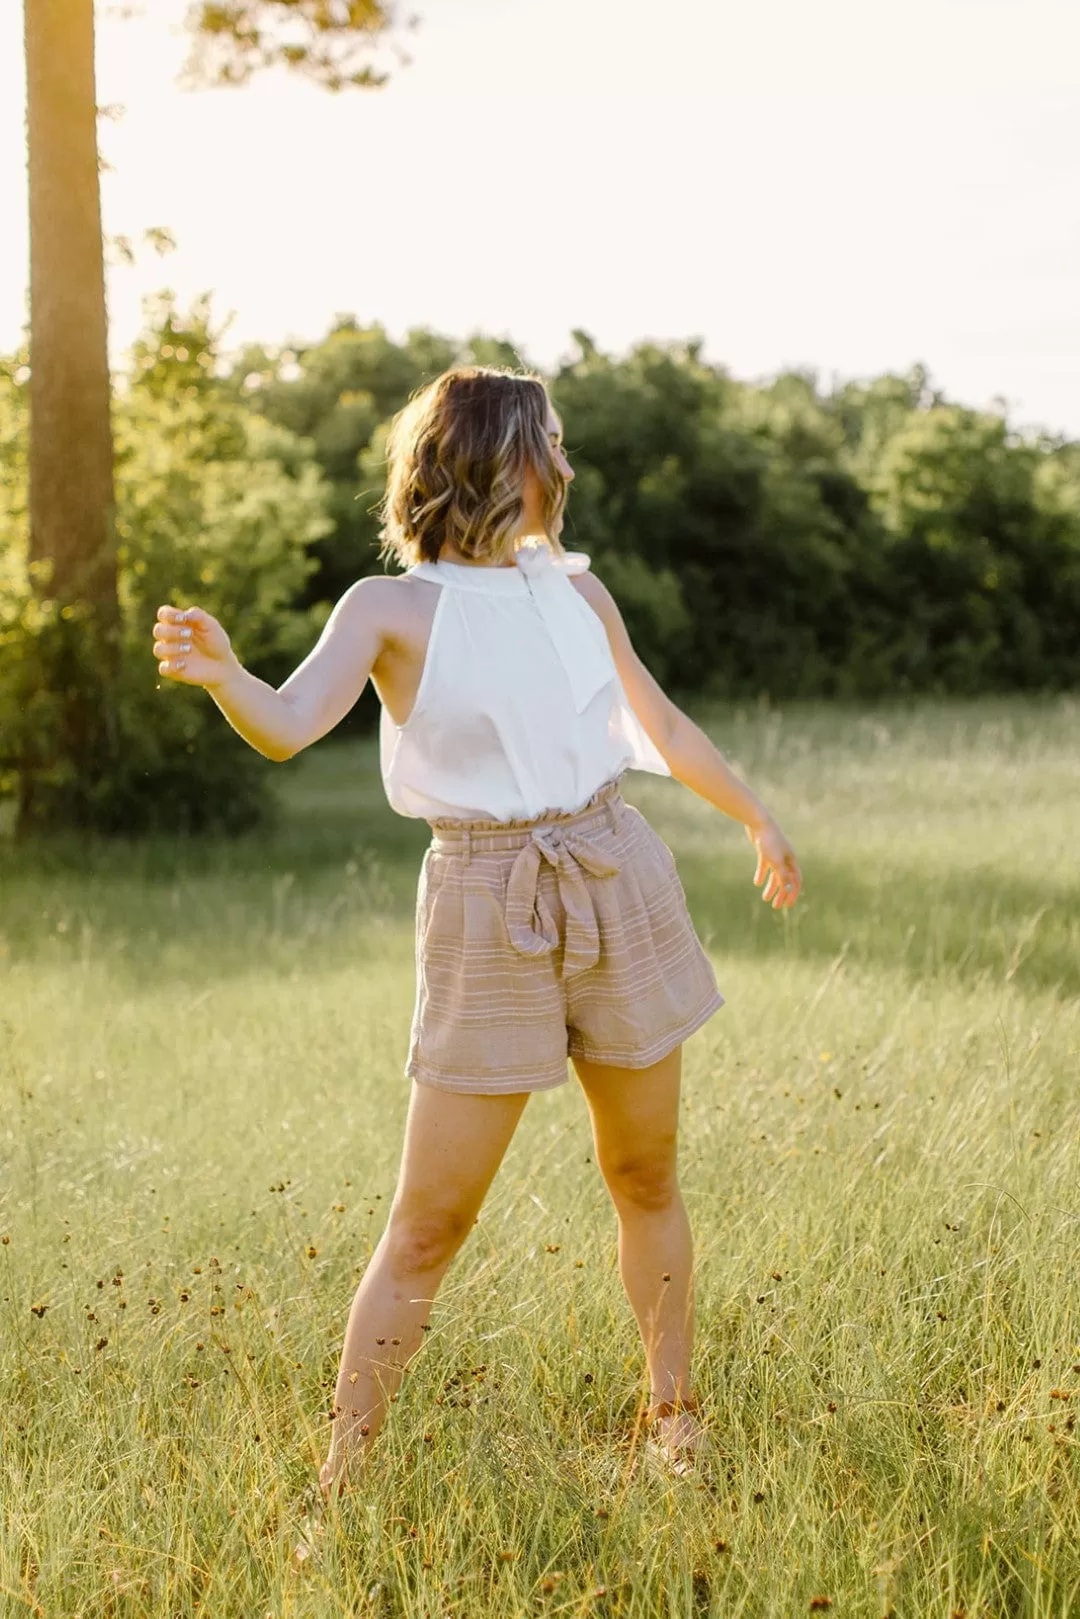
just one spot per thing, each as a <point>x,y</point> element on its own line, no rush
<point>201,1049</point>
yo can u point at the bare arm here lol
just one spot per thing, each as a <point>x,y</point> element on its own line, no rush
<point>691,757</point>
<point>315,697</point>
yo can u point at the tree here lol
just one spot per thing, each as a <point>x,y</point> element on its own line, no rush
<point>70,472</point>
<point>324,40</point>
<point>214,503</point>
<point>72,541</point>
<point>338,393</point>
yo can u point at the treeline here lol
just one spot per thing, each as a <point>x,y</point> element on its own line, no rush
<point>875,540</point>
<point>872,541</point>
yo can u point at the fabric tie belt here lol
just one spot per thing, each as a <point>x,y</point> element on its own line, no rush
<point>572,855</point>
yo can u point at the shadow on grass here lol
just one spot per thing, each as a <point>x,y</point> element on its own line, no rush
<point>338,856</point>
<point>975,926</point>
<point>235,915</point>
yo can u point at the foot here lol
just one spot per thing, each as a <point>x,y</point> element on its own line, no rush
<point>337,1473</point>
<point>675,1433</point>
<point>343,1466</point>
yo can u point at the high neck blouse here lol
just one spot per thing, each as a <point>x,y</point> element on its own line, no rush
<point>520,710</point>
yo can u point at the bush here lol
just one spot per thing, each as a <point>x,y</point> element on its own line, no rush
<point>214,506</point>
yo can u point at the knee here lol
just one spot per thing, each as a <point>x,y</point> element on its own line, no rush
<point>646,1182</point>
<point>425,1239</point>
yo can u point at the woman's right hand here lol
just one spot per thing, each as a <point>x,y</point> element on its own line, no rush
<point>192,647</point>
<point>777,857</point>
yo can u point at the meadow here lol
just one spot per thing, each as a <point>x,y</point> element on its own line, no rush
<point>201,1052</point>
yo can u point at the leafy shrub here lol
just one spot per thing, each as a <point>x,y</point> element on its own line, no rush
<point>215,506</point>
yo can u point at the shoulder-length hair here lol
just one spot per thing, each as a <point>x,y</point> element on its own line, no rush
<point>456,458</point>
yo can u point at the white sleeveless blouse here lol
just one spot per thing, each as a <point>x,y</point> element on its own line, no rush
<point>520,709</point>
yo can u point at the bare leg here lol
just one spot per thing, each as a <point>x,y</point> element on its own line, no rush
<point>635,1124</point>
<point>454,1143</point>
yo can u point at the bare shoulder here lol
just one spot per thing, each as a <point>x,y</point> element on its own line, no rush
<point>653,707</point>
<point>599,598</point>
<point>383,602</point>
<point>588,585</point>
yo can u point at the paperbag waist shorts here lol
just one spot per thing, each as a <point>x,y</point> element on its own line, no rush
<point>539,940</point>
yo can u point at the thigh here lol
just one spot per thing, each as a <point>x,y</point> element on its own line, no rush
<point>653,984</point>
<point>634,1113</point>
<point>454,1143</point>
<point>486,1019</point>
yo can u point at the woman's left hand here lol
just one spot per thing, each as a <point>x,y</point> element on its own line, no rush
<point>777,858</point>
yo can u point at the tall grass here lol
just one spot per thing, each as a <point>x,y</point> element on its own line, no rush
<point>201,1049</point>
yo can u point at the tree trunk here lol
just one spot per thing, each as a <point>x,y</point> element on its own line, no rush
<point>71,453</point>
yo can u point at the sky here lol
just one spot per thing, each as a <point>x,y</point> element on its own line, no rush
<point>846,185</point>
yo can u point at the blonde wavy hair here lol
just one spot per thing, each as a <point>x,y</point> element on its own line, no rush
<point>456,458</point>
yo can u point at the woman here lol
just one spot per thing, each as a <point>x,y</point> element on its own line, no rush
<point>551,922</point>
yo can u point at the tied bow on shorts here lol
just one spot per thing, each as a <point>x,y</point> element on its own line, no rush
<point>571,855</point>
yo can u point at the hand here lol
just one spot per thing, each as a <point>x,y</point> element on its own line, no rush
<point>192,646</point>
<point>776,856</point>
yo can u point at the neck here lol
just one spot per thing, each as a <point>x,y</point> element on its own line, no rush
<point>450,554</point>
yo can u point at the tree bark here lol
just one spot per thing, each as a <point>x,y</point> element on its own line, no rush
<point>71,494</point>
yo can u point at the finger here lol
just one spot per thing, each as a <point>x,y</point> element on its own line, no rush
<point>171,666</point>
<point>186,618</point>
<point>171,639</point>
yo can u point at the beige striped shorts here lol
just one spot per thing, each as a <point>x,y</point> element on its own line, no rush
<point>564,936</point>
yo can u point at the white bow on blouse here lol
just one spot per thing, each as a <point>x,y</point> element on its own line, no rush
<point>589,665</point>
